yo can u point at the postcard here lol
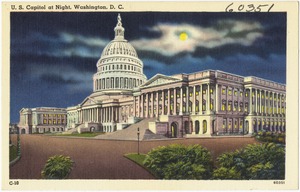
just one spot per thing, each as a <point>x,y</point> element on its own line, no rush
<point>150,95</point>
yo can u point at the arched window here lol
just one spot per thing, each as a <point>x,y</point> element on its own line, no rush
<point>204,126</point>
<point>197,127</point>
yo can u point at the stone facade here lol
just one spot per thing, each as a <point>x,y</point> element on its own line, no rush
<point>42,120</point>
<point>210,103</point>
<point>200,104</point>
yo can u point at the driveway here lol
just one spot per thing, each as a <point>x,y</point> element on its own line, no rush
<point>102,159</point>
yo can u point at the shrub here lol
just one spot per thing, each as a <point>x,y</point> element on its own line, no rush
<point>180,162</point>
<point>264,161</point>
<point>270,137</point>
<point>57,167</point>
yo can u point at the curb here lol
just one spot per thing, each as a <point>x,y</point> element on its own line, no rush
<point>14,161</point>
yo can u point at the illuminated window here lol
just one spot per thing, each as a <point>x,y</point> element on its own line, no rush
<point>223,91</point>
<point>203,105</point>
<point>229,105</point>
<point>235,93</point>
<point>223,105</point>
<point>230,92</point>
<point>241,94</point>
<point>224,124</point>
<point>45,121</point>
<point>49,121</point>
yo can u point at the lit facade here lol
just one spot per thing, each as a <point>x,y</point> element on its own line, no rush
<point>42,120</point>
<point>201,104</point>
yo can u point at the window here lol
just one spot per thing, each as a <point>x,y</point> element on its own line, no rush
<point>223,105</point>
<point>223,91</point>
<point>235,92</point>
<point>229,105</point>
<point>224,124</point>
<point>45,121</point>
<point>229,92</point>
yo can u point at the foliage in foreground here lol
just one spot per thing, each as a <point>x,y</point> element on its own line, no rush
<point>270,137</point>
<point>256,161</point>
<point>13,153</point>
<point>180,162</point>
<point>57,167</point>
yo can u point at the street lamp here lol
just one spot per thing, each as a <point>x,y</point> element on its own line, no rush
<point>138,135</point>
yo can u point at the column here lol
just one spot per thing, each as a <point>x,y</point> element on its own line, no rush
<point>175,102</point>
<point>276,103</point>
<point>201,99</point>
<point>187,99</point>
<point>280,104</point>
<point>208,99</point>
<point>134,106</point>
<point>169,104</point>
<point>142,112</point>
<point>147,105</point>
<point>217,99</point>
<point>157,105</point>
<point>152,104</point>
<point>250,102</point>
<point>163,102</point>
<point>194,100</point>
<point>260,101</point>
<point>181,101</point>
<point>256,110</point>
<point>138,104</point>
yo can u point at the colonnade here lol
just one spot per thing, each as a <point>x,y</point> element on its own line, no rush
<point>176,101</point>
<point>267,102</point>
<point>103,114</point>
<point>116,83</point>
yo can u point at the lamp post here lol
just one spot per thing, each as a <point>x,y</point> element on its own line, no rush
<point>138,135</point>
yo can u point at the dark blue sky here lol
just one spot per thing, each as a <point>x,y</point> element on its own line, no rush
<point>54,55</point>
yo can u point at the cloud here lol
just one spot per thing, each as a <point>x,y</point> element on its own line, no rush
<point>224,32</point>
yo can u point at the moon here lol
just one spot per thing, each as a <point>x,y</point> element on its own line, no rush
<point>183,36</point>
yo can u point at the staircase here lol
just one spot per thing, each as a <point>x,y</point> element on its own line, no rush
<point>130,133</point>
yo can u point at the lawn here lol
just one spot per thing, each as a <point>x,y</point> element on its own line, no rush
<point>138,159</point>
<point>79,134</point>
<point>12,153</point>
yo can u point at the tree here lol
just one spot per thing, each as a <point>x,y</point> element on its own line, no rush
<point>180,162</point>
<point>57,167</point>
<point>256,161</point>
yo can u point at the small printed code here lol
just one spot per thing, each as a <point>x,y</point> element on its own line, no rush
<point>278,182</point>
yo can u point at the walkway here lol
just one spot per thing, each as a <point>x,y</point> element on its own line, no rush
<point>101,159</point>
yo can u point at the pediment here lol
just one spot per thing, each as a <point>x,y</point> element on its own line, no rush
<point>160,79</point>
<point>88,101</point>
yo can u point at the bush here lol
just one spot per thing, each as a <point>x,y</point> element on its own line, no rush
<point>57,167</point>
<point>264,161</point>
<point>180,162</point>
<point>270,137</point>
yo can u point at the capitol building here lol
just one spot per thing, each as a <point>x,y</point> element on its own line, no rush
<point>201,104</point>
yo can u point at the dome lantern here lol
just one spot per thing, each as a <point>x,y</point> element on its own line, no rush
<point>119,30</point>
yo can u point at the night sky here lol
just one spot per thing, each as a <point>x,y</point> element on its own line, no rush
<point>54,55</point>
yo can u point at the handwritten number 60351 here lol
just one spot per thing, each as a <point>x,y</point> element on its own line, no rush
<point>249,8</point>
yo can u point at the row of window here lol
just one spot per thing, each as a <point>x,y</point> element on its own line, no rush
<point>117,82</point>
<point>54,115</point>
<point>120,67</point>
<point>49,129</point>
<point>53,122</point>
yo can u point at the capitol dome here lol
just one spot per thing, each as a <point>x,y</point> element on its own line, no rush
<point>119,69</point>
